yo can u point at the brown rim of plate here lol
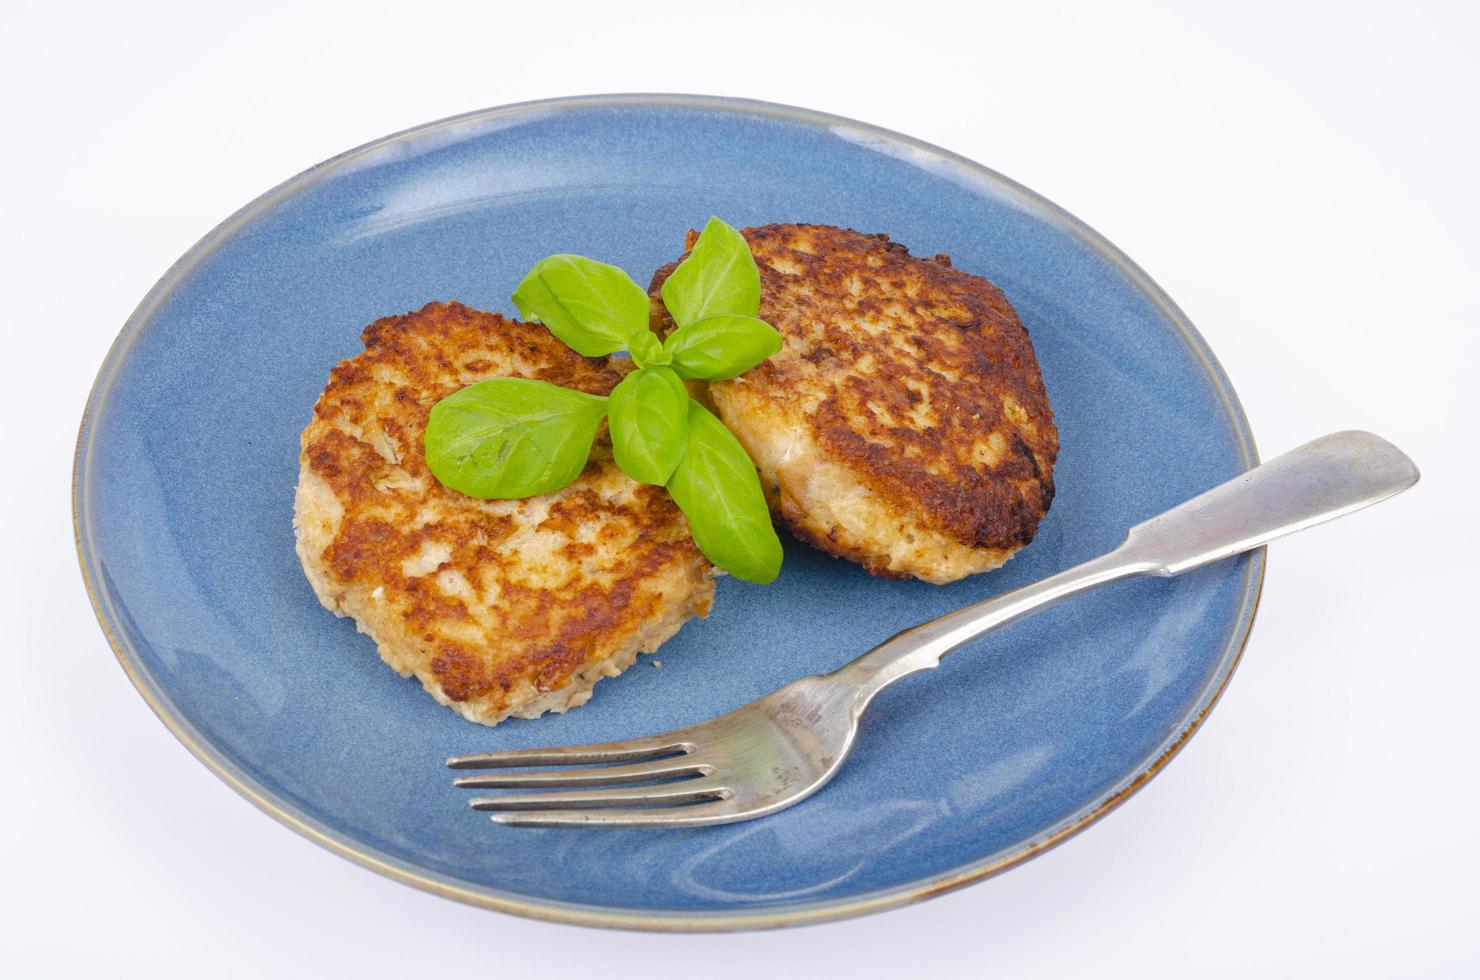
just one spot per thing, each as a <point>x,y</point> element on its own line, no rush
<point>659,920</point>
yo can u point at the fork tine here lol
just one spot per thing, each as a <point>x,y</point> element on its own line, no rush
<point>577,755</point>
<point>720,811</point>
<point>663,768</point>
<point>685,792</point>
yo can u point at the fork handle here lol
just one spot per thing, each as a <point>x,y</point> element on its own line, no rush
<point>1326,478</point>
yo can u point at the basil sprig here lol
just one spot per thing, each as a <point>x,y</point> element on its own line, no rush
<point>511,437</point>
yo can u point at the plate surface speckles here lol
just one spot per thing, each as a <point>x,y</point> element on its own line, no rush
<point>188,456</point>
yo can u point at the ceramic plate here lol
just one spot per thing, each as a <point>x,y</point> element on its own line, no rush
<point>188,457</point>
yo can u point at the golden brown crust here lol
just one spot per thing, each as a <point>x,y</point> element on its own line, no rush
<point>499,607</point>
<point>907,388</point>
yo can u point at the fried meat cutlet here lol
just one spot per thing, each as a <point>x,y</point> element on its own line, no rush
<point>904,424</point>
<point>499,607</point>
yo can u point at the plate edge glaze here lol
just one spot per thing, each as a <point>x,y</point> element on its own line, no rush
<point>655,920</point>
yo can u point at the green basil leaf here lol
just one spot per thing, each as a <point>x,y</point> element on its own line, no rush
<point>647,350</point>
<point>719,277</point>
<point>649,412</point>
<point>717,488</point>
<point>594,307</point>
<point>506,438</point>
<point>718,348</point>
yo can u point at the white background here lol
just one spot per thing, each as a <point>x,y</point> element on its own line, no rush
<point>1301,178</point>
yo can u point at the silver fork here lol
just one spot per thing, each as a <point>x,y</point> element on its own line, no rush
<point>784,747</point>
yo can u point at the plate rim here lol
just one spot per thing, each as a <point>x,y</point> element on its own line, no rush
<point>661,920</point>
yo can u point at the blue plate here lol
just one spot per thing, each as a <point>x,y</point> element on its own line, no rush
<point>188,456</point>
